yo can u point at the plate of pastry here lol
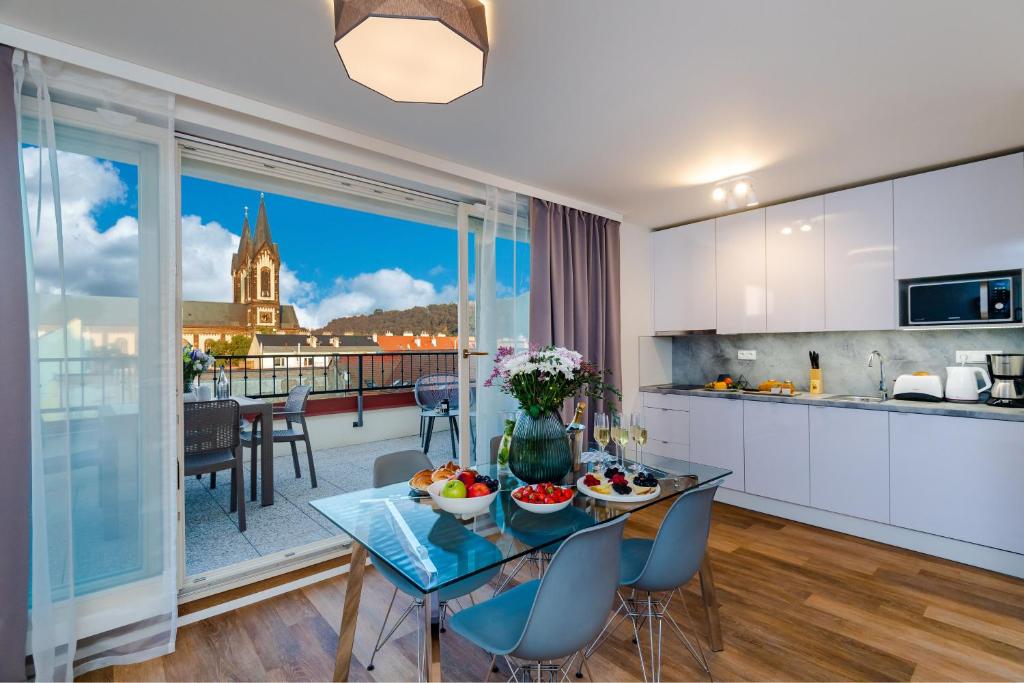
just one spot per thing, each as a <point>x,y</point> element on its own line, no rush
<point>422,480</point>
<point>618,486</point>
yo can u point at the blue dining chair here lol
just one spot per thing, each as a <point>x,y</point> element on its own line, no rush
<point>549,621</point>
<point>393,468</point>
<point>662,565</point>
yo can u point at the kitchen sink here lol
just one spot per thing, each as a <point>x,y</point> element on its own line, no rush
<point>856,399</point>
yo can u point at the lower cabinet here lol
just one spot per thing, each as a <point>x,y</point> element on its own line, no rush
<point>776,443</point>
<point>716,436</point>
<point>958,477</point>
<point>849,455</point>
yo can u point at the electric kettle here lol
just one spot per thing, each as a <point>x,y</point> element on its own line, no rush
<point>964,384</point>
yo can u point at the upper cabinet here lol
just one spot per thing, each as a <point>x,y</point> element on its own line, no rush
<point>740,258</point>
<point>963,219</point>
<point>795,251</point>
<point>683,287</point>
<point>860,287</point>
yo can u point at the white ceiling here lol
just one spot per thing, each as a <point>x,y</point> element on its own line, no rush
<point>635,105</point>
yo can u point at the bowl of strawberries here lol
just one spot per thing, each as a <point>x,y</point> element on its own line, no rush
<point>543,498</point>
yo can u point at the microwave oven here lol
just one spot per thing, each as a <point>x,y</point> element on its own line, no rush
<point>984,299</point>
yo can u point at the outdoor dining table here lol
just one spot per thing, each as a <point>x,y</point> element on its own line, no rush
<point>263,414</point>
<point>433,549</point>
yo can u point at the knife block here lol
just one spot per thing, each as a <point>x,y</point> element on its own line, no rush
<point>815,383</point>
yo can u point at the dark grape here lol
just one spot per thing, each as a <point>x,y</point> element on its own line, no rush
<point>622,489</point>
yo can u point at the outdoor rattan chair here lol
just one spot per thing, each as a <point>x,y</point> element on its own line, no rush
<point>212,443</point>
<point>294,415</point>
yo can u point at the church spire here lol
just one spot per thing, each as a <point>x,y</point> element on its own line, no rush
<point>241,257</point>
<point>262,226</point>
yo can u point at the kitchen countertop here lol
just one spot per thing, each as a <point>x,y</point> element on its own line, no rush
<point>974,410</point>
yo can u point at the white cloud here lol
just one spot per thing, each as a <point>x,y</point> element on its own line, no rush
<point>105,262</point>
<point>387,288</point>
<point>206,250</point>
<point>437,270</point>
<point>100,263</point>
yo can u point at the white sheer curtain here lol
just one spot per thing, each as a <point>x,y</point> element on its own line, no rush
<point>100,221</point>
<point>502,298</point>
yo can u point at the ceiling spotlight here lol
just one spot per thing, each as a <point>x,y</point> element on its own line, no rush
<point>424,51</point>
<point>806,227</point>
<point>787,230</point>
<point>735,192</point>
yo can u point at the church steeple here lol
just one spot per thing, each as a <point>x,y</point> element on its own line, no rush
<point>242,255</point>
<point>262,228</point>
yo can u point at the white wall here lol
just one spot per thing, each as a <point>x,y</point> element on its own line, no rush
<point>635,290</point>
<point>331,431</point>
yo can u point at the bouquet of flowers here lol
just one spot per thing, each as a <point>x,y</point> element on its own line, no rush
<point>194,362</point>
<point>542,379</point>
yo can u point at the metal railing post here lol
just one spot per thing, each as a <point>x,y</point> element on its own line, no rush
<point>359,395</point>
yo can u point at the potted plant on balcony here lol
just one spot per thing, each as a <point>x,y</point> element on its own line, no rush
<point>541,380</point>
<point>194,362</point>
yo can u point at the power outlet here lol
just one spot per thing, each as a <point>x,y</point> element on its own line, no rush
<point>746,354</point>
<point>972,356</point>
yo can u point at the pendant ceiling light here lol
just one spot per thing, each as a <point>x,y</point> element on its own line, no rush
<point>413,50</point>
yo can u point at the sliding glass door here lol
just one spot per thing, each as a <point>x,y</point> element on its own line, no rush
<point>494,288</point>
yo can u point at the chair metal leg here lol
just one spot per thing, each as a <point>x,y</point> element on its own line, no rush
<point>252,471</point>
<point>453,431</point>
<point>430,431</point>
<point>309,456</point>
<point>383,639</point>
<point>295,459</point>
<point>213,480</point>
<point>240,492</point>
<point>233,499</point>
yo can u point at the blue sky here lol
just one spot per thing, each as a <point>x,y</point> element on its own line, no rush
<point>335,261</point>
<point>322,242</point>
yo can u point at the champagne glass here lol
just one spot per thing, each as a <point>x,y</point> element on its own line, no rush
<point>620,434</point>
<point>638,430</point>
<point>602,432</point>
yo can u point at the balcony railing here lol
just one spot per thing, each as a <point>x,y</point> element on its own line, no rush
<point>90,382</point>
<point>273,375</point>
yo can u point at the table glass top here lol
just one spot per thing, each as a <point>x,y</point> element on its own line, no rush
<point>434,549</point>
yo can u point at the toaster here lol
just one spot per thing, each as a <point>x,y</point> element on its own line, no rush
<point>918,387</point>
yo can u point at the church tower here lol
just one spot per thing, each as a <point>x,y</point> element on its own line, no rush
<point>256,272</point>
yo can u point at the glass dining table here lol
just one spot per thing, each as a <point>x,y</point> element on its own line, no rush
<point>434,549</point>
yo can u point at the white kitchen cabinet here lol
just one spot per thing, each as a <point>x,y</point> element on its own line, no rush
<point>683,287</point>
<point>668,401</point>
<point>667,425</point>
<point>776,451</point>
<point>740,272</point>
<point>860,285</point>
<point>716,436</point>
<point>795,257</point>
<point>958,477</point>
<point>963,219</point>
<point>849,456</point>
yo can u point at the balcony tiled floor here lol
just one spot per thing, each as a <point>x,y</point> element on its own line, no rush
<point>212,539</point>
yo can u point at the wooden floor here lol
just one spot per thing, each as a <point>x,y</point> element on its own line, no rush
<point>797,603</point>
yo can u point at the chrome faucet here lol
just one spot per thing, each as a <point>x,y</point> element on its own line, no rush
<point>881,373</point>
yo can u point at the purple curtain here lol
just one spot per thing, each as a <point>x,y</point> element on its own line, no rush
<point>14,368</point>
<point>574,286</point>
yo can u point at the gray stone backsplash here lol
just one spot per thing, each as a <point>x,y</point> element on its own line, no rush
<point>697,359</point>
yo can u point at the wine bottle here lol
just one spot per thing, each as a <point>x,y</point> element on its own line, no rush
<point>577,421</point>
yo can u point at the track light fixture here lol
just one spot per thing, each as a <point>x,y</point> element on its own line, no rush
<point>735,192</point>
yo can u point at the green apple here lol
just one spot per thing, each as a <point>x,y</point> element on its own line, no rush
<point>454,488</point>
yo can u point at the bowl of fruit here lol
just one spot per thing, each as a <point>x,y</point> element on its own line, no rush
<point>543,498</point>
<point>465,493</point>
